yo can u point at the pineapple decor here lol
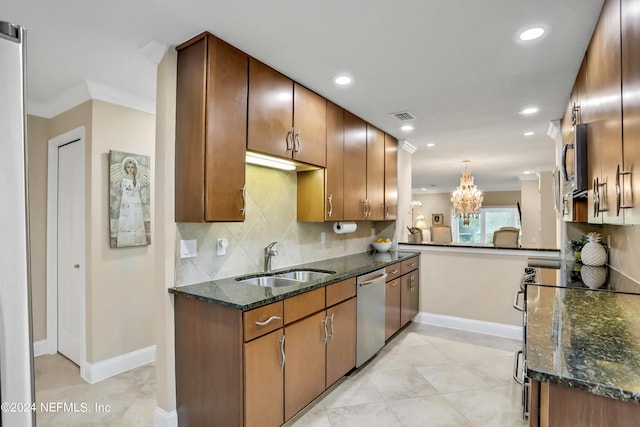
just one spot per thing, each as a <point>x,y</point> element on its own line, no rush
<point>593,253</point>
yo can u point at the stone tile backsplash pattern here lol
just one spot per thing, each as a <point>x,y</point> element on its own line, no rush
<point>271,216</point>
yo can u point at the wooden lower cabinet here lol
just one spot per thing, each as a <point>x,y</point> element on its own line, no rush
<point>263,381</point>
<point>392,305</point>
<point>305,363</point>
<point>341,345</point>
<point>552,405</point>
<point>408,297</point>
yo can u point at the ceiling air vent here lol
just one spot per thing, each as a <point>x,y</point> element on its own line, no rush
<point>404,116</point>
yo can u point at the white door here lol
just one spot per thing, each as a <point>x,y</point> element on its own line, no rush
<point>70,237</point>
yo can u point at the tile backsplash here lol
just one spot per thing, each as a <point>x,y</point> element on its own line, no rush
<point>271,216</point>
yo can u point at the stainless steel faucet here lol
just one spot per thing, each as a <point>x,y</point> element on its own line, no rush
<point>268,253</point>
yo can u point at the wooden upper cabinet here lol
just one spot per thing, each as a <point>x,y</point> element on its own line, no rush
<point>605,115</point>
<point>334,172</point>
<point>630,183</point>
<point>390,177</point>
<point>211,120</point>
<point>270,121</point>
<point>375,173</point>
<point>285,119</point>
<point>355,167</point>
<point>310,126</point>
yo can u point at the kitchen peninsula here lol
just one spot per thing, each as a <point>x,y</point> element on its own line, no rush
<point>471,287</point>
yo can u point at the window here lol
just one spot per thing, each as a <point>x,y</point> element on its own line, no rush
<point>480,230</point>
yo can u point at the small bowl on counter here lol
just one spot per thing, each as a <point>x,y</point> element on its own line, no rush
<point>381,247</point>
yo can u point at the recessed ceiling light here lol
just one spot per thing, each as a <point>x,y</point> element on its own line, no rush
<point>343,80</point>
<point>431,144</point>
<point>529,110</point>
<point>528,133</point>
<point>526,172</point>
<point>407,128</point>
<point>423,189</point>
<point>531,33</point>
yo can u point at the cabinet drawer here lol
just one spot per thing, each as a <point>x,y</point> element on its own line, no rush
<point>303,305</point>
<point>393,271</point>
<point>341,291</point>
<point>410,265</point>
<point>261,320</point>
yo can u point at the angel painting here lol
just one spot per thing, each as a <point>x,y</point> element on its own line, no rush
<point>129,199</point>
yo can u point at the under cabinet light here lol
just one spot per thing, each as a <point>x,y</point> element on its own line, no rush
<point>270,162</point>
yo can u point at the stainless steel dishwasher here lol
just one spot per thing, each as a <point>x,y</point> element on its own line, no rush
<point>370,315</point>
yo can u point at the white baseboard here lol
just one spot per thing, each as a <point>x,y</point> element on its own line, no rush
<point>470,325</point>
<point>162,418</point>
<point>95,372</point>
<point>40,348</point>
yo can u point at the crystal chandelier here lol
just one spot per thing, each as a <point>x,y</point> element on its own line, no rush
<point>467,199</point>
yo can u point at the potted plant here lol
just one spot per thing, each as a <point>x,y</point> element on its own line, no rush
<point>576,247</point>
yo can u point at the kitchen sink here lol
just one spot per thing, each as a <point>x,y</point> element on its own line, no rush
<point>288,278</point>
<point>270,281</point>
<point>305,275</point>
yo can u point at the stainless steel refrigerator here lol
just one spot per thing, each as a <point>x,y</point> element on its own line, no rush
<point>16,354</point>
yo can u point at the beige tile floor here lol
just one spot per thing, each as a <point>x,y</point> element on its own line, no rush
<point>427,376</point>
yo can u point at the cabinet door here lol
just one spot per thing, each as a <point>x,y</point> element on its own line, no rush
<point>310,126</point>
<point>211,120</point>
<point>334,209</point>
<point>270,115</point>
<point>341,344</point>
<point>631,110</point>
<point>408,297</point>
<point>390,177</point>
<point>605,115</point>
<point>392,304</point>
<point>263,378</point>
<point>304,369</point>
<point>355,167</point>
<point>375,173</point>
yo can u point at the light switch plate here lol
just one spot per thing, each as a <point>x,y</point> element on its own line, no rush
<point>221,246</point>
<point>188,248</point>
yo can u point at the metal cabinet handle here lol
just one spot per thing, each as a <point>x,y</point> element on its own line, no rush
<point>282,352</point>
<point>325,338</point>
<point>243,191</point>
<point>296,143</point>
<point>366,208</point>
<point>597,185</point>
<point>386,209</point>
<point>515,301</point>
<point>289,140</point>
<point>413,282</point>
<point>516,364</point>
<point>332,330</point>
<point>393,284</point>
<point>330,199</point>
<point>396,271</point>
<point>619,196</point>
<point>269,320</point>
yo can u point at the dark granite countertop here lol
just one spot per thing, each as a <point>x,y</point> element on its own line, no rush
<point>585,339</point>
<point>243,296</point>
<point>479,246</point>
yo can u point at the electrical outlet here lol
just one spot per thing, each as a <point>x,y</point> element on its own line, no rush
<point>221,246</point>
<point>323,237</point>
<point>188,248</point>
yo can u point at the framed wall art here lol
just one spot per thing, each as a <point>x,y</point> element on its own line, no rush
<point>437,219</point>
<point>129,199</point>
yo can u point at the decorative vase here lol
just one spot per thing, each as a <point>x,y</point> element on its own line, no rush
<point>593,253</point>
<point>593,277</point>
<point>413,238</point>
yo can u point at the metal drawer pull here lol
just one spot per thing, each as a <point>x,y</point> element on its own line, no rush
<point>515,301</point>
<point>269,320</point>
<point>282,352</point>
<point>396,271</point>
<point>619,196</point>
<point>516,364</point>
<point>330,205</point>
<point>368,282</point>
<point>394,284</point>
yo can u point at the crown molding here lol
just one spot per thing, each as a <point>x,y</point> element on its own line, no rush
<point>88,90</point>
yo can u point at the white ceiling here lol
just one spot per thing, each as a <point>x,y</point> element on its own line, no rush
<point>457,65</point>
